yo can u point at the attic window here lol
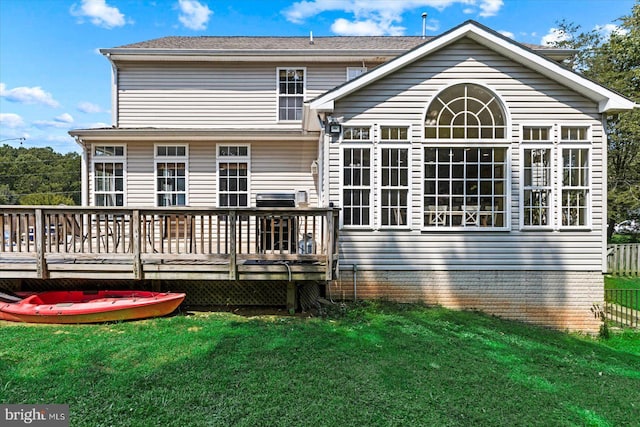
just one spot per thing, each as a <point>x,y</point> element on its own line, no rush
<point>465,111</point>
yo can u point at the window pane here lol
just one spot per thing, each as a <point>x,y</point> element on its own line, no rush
<point>233,182</point>
<point>465,111</point>
<point>453,198</point>
<point>356,186</point>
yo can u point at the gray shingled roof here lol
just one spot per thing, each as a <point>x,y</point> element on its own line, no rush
<point>280,43</point>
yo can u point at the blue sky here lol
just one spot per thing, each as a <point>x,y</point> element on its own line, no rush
<point>53,79</point>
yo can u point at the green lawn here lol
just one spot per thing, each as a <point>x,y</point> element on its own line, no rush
<point>372,364</point>
<point>621,282</point>
<point>631,300</point>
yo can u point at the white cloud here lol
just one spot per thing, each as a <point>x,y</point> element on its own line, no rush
<point>64,118</point>
<point>99,13</point>
<point>490,7</point>
<point>608,29</point>
<point>28,95</point>
<point>507,34</point>
<point>379,17</point>
<point>364,28</point>
<point>89,108</point>
<point>193,14</point>
<point>11,120</point>
<point>554,36</point>
<point>63,121</point>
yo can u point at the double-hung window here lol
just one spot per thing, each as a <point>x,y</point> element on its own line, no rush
<point>537,167</point>
<point>108,175</point>
<point>357,167</point>
<point>171,174</point>
<point>576,176</point>
<point>233,175</point>
<point>394,176</point>
<point>291,88</point>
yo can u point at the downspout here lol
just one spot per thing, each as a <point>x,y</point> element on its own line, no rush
<point>354,269</point>
<point>325,170</point>
<point>114,91</point>
<point>84,177</point>
<point>605,185</point>
<point>320,175</point>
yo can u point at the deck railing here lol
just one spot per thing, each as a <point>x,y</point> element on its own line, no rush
<point>176,233</point>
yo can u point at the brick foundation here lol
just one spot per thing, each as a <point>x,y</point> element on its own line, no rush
<point>561,300</point>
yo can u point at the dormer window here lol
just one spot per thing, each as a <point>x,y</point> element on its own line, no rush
<point>291,88</point>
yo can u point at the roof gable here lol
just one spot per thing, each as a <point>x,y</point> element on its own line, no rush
<point>608,101</point>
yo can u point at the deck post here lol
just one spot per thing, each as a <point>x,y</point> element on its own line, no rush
<point>137,263</point>
<point>39,236</point>
<point>233,268</point>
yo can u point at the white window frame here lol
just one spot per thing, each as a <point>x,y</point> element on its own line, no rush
<point>500,139</point>
<point>112,159</point>
<point>354,72</point>
<point>430,121</point>
<point>159,159</point>
<point>280,95</point>
<point>358,143</point>
<point>506,195</point>
<point>233,159</point>
<point>575,144</point>
<point>393,143</point>
<point>536,144</point>
<point>361,139</point>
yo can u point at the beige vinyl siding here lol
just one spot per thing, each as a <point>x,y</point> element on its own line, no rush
<point>529,98</point>
<point>210,95</point>
<point>276,166</point>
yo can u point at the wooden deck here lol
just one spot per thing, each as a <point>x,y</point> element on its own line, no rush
<point>178,243</point>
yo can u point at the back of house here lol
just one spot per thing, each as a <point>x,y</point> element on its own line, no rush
<point>468,170</point>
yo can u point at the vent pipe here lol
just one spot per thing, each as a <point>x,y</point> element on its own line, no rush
<point>424,25</point>
<point>310,37</point>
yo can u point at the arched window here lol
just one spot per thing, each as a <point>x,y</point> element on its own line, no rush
<point>465,111</point>
<point>465,160</point>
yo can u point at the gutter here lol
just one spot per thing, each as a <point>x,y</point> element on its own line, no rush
<point>203,134</point>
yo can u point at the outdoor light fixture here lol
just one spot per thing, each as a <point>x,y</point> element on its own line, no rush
<point>333,126</point>
<point>314,167</point>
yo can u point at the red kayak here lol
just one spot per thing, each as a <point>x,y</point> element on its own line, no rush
<point>89,306</point>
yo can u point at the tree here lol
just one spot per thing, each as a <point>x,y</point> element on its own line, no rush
<point>615,63</point>
<point>38,176</point>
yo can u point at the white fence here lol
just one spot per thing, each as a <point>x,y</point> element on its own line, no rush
<point>624,259</point>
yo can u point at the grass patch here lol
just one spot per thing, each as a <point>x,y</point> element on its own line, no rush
<point>631,300</point>
<point>621,282</point>
<point>625,238</point>
<point>368,364</point>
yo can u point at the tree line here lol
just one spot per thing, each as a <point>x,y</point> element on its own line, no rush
<point>614,61</point>
<point>38,176</point>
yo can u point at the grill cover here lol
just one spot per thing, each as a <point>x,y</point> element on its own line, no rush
<point>275,200</point>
